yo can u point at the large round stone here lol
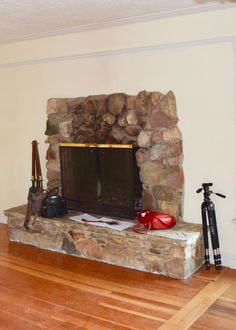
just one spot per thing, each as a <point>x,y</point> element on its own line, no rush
<point>160,151</point>
<point>148,201</point>
<point>168,105</point>
<point>116,103</point>
<point>143,103</point>
<point>130,102</point>
<point>175,178</point>
<point>160,120</point>
<point>132,117</point>
<point>118,133</point>
<point>152,173</point>
<point>172,208</point>
<point>132,130</point>
<point>89,107</point>
<point>99,103</point>
<point>55,105</point>
<point>165,193</point>
<point>172,134</point>
<point>76,105</point>
<point>157,136</point>
<point>155,99</point>
<point>89,120</point>
<point>109,118</point>
<point>65,128</point>
<point>122,122</point>
<point>142,155</point>
<point>144,139</point>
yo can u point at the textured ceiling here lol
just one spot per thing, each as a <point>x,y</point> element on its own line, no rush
<point>26,19</point>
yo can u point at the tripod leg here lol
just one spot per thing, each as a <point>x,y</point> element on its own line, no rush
<point>214,235</point>
<point>205,235</point>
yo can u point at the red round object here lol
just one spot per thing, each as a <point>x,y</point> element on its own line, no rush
<point>155,220</point>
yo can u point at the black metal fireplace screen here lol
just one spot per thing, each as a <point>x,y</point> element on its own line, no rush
<point>101,178</point>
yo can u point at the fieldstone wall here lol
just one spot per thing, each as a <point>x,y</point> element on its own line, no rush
<point>177,252</point>
<point>148,120</point>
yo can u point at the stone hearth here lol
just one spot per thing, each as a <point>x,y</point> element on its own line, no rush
<point>177,252</point>
<point>148,120</point>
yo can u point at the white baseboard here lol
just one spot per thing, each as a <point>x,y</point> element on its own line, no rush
<point>3,218</point>
<point>228,260</point>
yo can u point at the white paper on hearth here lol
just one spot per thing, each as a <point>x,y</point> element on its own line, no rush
<point>121,226</point>
<point>84,216</point>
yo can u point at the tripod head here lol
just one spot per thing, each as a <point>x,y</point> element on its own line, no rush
<point>207,191</point>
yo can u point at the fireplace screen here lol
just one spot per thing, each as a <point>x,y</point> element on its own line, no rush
<point>101,179</point>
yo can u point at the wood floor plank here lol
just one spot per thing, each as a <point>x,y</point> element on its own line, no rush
<point>179,290</point>
<point>78,278</point>
<point>59,312</point>
<point>35,317</point>
<point>9,322</point>
<point>221,315</point>
<point>222,308</point>
<point>168,303</point>
<point>158,296</point>
<point>126,310</point>
<point>185,317</point>
<point>77,300</point>
<point>230,293</point>
<point>45,290</point>
<point>211,322</point>
<point>138,308</point>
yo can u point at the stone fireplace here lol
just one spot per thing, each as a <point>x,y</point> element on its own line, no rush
<point>148,120</point>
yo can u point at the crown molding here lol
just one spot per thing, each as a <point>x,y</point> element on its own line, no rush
<point>124,51</point>
<point>119,22</point>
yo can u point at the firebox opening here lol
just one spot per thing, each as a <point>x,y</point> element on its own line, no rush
<point>101,178</point>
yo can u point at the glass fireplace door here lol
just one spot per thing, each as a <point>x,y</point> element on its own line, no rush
<point>99,178</point>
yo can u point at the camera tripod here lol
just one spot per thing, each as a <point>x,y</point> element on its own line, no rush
<point>208,213</point>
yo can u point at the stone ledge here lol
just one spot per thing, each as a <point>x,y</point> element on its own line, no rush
<point>176,252</point>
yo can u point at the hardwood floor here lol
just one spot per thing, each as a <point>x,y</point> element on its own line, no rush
<point>45,290</point>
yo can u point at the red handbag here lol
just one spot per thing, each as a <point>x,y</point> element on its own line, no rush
<point>153,220</point>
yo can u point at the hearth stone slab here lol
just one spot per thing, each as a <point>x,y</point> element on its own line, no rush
<point>177,252</point>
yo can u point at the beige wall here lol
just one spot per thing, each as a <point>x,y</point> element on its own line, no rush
<point>192,55</point>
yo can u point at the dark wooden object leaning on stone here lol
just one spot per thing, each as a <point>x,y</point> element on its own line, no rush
<point>36,192</point>
<point>148,120</point>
